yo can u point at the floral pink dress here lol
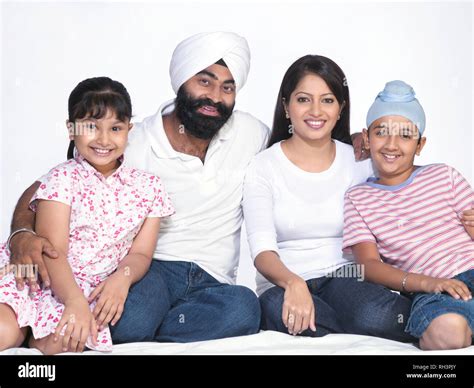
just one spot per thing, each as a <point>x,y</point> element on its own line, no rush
<point>106,215</point>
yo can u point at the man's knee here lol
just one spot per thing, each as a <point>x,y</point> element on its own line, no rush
<point>271,302</point>
<point>147,304</point>
<point>246,312</point>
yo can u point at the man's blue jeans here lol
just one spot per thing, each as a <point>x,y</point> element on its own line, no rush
<point>178,301</point>
<point>345,305</point>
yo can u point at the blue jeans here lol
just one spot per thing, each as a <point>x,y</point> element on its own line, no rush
<point>345,305</point>
<point>427,307</point>
<point>178,301</point>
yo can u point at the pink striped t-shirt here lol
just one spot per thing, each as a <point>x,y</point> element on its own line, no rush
<point>416,225</point>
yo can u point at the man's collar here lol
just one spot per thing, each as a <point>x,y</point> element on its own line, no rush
<point>160,142</point>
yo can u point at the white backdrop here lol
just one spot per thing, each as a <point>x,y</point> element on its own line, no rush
<point>47,48</point>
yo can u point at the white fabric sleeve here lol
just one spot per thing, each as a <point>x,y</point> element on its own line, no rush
<point>258,210</point>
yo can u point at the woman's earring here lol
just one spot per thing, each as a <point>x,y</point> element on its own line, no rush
<point>290,128</point>
<point>338,117</point>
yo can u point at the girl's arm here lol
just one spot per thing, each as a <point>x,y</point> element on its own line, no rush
<point>376,271</point>
<point>135,265</point>
<point>112,293</point>
<point>52,222</point>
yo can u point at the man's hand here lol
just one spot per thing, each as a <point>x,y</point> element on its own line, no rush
<point>28,249</point>
<point>358,143</point>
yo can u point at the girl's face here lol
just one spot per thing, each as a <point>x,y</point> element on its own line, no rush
<point>100,141</point>
<point>393,144</point>
<point>313,109</point>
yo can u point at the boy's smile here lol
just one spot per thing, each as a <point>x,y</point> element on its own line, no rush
<point>393,143</point>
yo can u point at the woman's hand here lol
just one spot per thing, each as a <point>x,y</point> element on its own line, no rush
<point>453,287</point>
<point>298,308</point>
<point>80,323</point>
<point>112,294</point>
<point>360,152</point>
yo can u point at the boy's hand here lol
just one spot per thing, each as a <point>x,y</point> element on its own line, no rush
<point>455,288</point>
<point>28,249</point>
<point>112,294</point>
<point>80,323</point>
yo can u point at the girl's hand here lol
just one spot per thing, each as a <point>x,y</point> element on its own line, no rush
<point>112,294</point>
<point>80,323</point>
<point>298,308</point>
<point>455,288</point>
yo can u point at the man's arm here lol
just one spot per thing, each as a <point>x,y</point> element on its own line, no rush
<point>23,216</point>
<point>27,248</point>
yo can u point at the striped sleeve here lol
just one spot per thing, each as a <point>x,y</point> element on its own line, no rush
<point>355,228</point>
<point>462,192</point>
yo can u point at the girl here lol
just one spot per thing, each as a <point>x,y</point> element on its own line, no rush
<point>103,219</point>
<point>407,227</point>
<point>293,206</point>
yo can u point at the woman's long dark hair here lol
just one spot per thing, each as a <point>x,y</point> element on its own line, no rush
<point>93,97</point>
<point>334,77</point>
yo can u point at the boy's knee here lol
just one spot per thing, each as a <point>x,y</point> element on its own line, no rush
<point>448,331</point>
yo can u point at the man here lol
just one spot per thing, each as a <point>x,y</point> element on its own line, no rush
<point>200,147</point>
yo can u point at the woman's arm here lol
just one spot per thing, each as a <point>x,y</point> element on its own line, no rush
<point>268,263</point>
<point>298,308</point>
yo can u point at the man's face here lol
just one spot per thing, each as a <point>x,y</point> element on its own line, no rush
<point>205,102</point>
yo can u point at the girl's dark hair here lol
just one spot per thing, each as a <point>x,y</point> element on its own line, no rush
<point>93,97</point>
<point>334,77</point>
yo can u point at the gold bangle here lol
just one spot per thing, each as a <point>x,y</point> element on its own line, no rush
<point>404,282</point>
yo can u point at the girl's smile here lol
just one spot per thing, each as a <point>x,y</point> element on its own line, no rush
<point>101,141</point>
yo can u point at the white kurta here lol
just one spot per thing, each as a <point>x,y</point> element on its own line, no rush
<point>207,197</point>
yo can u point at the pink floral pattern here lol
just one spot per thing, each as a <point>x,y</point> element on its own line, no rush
<point>106,215</point>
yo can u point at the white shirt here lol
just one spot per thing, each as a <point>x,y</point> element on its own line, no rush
<point>298,214</point>
<point>207,197</point>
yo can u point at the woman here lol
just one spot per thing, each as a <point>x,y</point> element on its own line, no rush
<point>293,207</point>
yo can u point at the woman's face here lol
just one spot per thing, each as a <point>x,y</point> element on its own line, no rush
<point>313,109</point>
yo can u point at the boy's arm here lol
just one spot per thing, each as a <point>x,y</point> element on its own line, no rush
<point>376,271</point>
<point>52,221</point>
<point>26,248</point>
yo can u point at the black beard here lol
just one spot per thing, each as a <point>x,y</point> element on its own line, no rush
<point>195,123</point>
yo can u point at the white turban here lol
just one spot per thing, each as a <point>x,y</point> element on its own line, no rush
<point>203,50</point>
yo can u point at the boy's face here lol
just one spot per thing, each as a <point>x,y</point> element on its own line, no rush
<point>393,142</point>
<point>100,141</point>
